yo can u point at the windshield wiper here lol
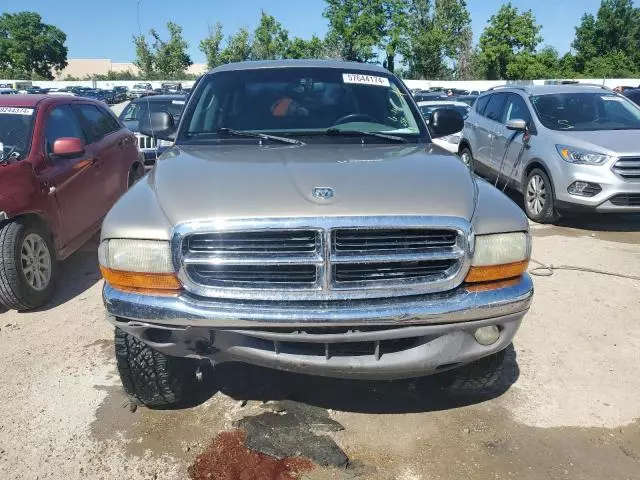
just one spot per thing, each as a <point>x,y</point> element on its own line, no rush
<point>263,136</point>
<point>353,133</point>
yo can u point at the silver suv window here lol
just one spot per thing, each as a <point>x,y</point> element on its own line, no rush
<point>586,111</point>
<point>516,109</point>
<point>494,107</point>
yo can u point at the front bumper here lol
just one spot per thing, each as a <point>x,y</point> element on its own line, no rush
<point>612,185</point>
<point>376,339</point>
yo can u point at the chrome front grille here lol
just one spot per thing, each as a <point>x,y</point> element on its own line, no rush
<point>324,258</point>
<point>145,142</point>
<point>628,168</point>
<point>277,242</point>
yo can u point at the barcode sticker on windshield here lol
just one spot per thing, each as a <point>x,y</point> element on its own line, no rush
<point>365,79</point>
<point>16,111</point>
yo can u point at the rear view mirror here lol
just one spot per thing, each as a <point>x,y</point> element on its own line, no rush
<point>159,125</point>
<point>445,121</point>
<point>517,125</point>
<point>68,147</point>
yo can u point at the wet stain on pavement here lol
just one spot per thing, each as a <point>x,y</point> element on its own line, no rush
<point>228,458</point>
<point>611,228</point>
<point>294,429</point>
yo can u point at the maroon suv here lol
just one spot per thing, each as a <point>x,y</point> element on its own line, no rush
<point>64,161</point>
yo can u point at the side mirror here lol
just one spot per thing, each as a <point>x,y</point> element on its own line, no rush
<point>159,125</point>
<point>517,125</point>
<point>68,147</point>
<point>445,121</point>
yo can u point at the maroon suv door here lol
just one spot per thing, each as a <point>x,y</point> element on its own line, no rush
<point>111,143</point>
<point>71,180</point>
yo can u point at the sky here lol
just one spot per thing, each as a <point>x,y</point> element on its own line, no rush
<point>105,29</point>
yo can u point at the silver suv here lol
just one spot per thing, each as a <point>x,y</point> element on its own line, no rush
<point>564,147</point>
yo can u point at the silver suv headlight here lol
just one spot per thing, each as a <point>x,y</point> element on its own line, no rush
<point>582,157</point>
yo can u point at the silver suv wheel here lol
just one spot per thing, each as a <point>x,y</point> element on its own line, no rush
<point>536,196</point>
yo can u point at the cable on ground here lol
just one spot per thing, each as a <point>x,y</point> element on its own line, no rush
<point>543,270</point>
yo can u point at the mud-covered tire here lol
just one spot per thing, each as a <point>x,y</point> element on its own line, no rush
<point>16,293</point>
<point>152,378</point>
<point>488,375</point>
<point>466,156</point>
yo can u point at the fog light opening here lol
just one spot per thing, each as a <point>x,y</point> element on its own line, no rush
<point>487,335</point>
<point>584,189</point>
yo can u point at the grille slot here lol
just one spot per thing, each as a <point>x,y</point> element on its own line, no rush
<point>626,200</point>
<point>281,242</point>
<point>145,142</point>
<point>628,168</point>
<point>281,276</point>
<point>383,271</point>
<point>385,241</point>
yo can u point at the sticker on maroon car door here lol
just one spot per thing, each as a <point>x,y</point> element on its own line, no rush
<point>16,111</point>
<point>360,79</point>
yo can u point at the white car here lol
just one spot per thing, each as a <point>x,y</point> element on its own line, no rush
<point>449,142</point>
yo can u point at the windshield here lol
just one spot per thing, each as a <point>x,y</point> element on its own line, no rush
<point>587,111</point>
<point>135,110</point>
<point>301,102</point>
<point>427,110</point>
<point>16,126</point>
<point>141,86</point>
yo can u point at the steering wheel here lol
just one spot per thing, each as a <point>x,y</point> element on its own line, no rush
<point>355,117</point>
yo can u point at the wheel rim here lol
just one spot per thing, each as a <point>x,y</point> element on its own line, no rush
<point>35,260</point>
<point>536,194</point>
<point>465,157</point>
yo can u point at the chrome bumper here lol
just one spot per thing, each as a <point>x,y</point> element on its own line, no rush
<point>418,335</point>
<point>460,305</point>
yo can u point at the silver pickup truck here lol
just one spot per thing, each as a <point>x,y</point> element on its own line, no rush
<point>304,221</point>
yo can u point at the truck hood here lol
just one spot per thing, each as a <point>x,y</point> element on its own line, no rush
<point>231,181</point>
<point>611,142</point>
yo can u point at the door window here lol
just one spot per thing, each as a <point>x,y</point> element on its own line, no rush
<point>516,109</point>
<point>494,107</point>
<point>96,122</point>
<point>62,122</point>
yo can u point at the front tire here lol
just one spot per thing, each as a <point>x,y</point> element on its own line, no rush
<point>28,266</point>
<point>152,378</point>
<point>486,376</point>
<point>539,198</point>
<point>466,156</point>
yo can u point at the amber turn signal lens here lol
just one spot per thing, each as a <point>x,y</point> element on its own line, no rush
<point>491,273</point>
<point>166,283</point>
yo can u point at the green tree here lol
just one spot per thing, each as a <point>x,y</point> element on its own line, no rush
<point>534,66</point>
<point>614,64</point>
<point>270,39</point>
<point>171,57</point>
<point>356,27</point>
<point>212,46</point>
<point>238,47</point>
<point>611,36</point>
<point>509,34</point>
<point>29,48</point>
<point>145,59</point>
<point>435,36</point>
<point>301,48</point>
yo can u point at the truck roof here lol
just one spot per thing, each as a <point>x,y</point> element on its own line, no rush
<point>338,64</point>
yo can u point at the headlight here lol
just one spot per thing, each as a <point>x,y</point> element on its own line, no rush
<point>142,266</point>
<point>499,257</point>
<point>582,157</point>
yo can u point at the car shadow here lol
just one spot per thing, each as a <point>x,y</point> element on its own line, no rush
<point>244,382</point>
<point>76,275</point>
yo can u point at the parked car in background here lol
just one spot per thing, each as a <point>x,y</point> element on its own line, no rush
<point>8,91</point>
<point>468,99</point>
<point>141,90</point>
<point>633,95</point>
<point>430,96</point>
<point>564,147</point>
<point>120,94</point>
<point>302,222</point>
<point>151,147</point>
<point>64,161</point>
<point>96,94</point>
<point>34,90</point>
<point>172,88</point>
<point>448,142</point>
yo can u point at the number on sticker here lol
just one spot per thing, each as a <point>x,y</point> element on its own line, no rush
<point>16,111</point>
<point>360,79</point>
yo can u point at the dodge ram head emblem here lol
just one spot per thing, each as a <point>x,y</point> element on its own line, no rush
<point>323,193</point>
